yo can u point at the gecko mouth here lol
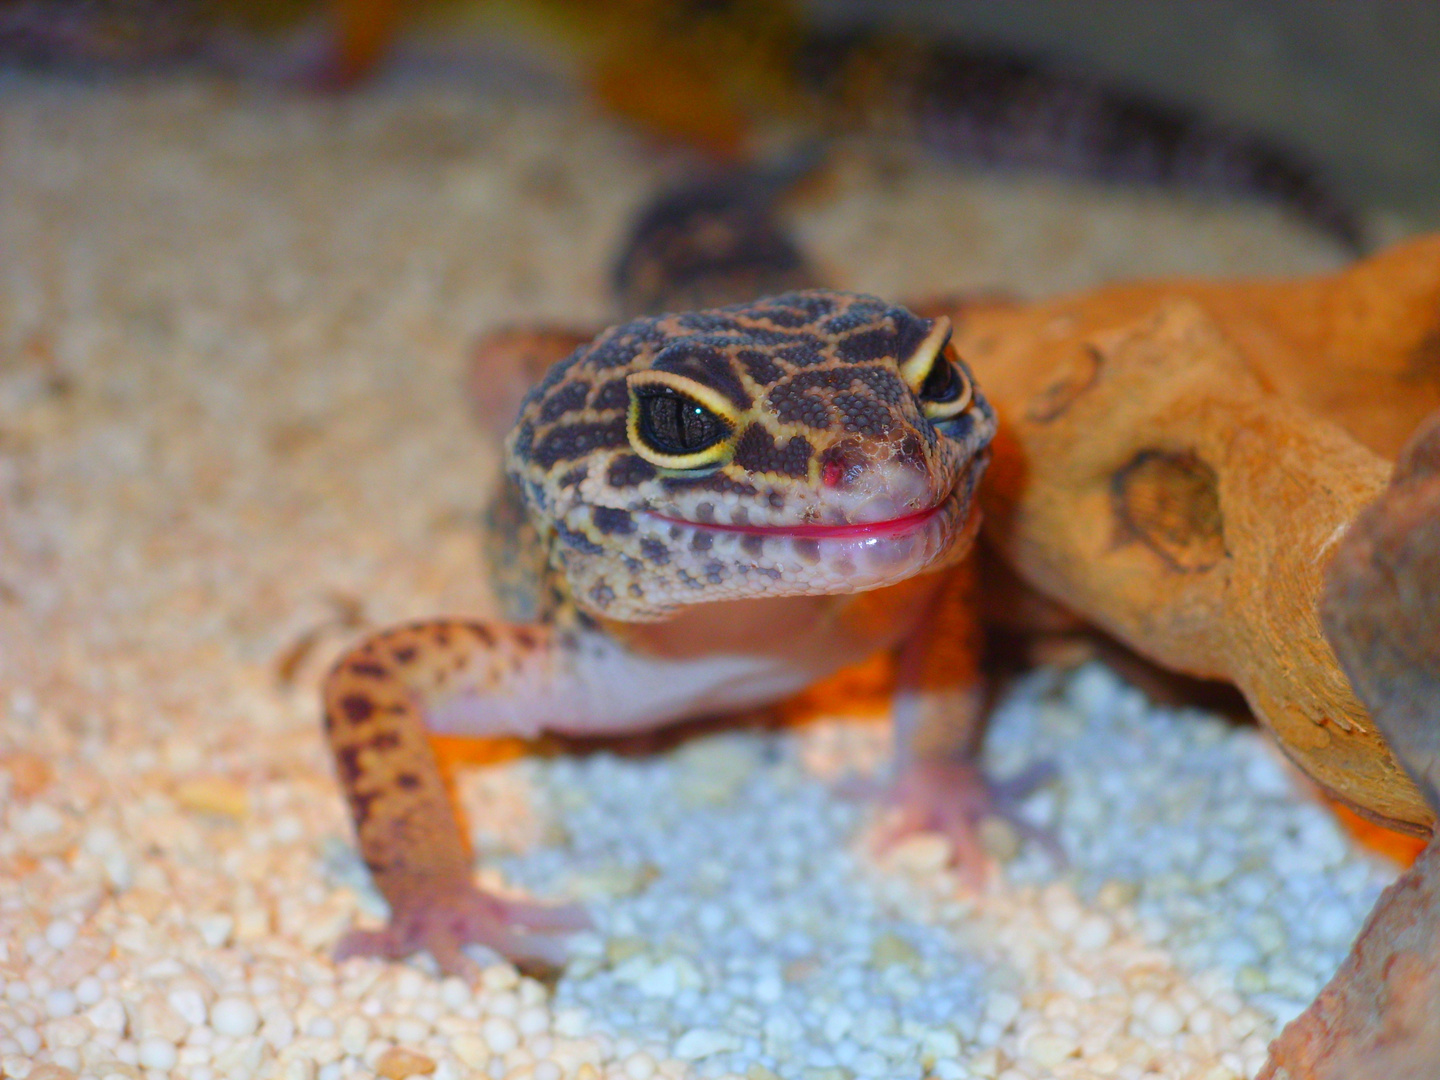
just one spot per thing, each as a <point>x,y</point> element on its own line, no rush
<point>806,558</point>
<point>876,530</point>
<point>697,562</point>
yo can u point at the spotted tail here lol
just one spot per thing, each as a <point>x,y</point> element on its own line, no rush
<point>1001,109</point>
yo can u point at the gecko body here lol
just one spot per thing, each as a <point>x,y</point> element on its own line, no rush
<point>702,512</point>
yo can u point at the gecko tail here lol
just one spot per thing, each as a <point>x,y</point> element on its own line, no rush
<point>1002,109</point>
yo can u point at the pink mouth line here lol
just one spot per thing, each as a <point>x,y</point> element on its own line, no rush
<point>866,531</point>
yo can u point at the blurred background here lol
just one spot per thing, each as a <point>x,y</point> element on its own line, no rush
<point>1346,91</point>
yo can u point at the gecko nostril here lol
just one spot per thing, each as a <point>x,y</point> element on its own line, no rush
<point>843,464</point>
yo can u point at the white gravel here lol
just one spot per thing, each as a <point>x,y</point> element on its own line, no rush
<point>232,333</point>
<point>742,919</point>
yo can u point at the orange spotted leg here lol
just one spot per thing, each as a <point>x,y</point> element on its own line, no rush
<point>380,701</point>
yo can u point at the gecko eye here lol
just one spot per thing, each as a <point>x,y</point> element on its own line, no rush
<point>943,385</point>
<point>672,428</point>
<point>936,375</point>
<point>671,423</point>
<point>947,390</point>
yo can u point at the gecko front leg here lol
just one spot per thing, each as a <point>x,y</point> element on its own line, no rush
<point>380,702</point>
<point>940,711</point>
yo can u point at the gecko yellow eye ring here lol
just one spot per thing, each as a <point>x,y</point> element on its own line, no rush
<point>936,375</point>
<point>677,423</point>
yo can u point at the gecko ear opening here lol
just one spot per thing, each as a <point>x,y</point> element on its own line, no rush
<point>677,423</point>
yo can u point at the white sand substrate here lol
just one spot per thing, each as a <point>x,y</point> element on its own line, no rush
<point>233,327</point>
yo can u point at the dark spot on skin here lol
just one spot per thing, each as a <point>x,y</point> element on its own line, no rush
<point>557,374</point>
<point>740,516</point>
<point>756,451</point>
<point>612,394</point>
<point>523,636</point>
<point>612,349</point>
<point>628,470</point>
<point>769,572</point>
<point>896,338</point>
<point>794,404</point>
<point>404,654</point>
<point>759,367</point>
<point>634,566</point>
<point>705,512</point>
<point>357,708</point>
<point>863,415</point>
<point>791,317</point>
<point>636,591</point>
<point>753,544</point>
<point>655,551</point>
<point>807,549</point>
<point>568,398</point>
<point>714,572</point>
<point>746,334</point>
<point>609,520</point>
<point>578,540</point>
<point>386,740</point>
<point>709,322</point>
<point>910,330</point>
<point>442,637</point>
<point>566,442</point>
<point>815,305</point>
<point>602,595</point>
<point>369,668</point>
<point>524,439</point>
<point>717,482</point>
<point>776,500</point>
<point>692,582</point>
<point>575,477</point>
<point>347,760</point>
<point>884,384</point>
<point>702,541</point>
<point>482,634</point>
<point>408,781</point>
<point>360,808</point>
<point>854,317</point>
<point>801,354</point>
<point>868,345</point>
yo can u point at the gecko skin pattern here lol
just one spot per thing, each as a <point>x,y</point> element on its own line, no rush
<point>703,512</point>
<point>1004,109</point>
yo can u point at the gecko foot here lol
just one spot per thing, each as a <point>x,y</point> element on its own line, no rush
<point>441,923</point>
<point>952,798</point>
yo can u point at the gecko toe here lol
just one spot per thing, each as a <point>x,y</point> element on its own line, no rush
<point>442,924</point>
<point>952,798</point>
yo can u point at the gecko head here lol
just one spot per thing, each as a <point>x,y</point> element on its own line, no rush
<point>814,442</point>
